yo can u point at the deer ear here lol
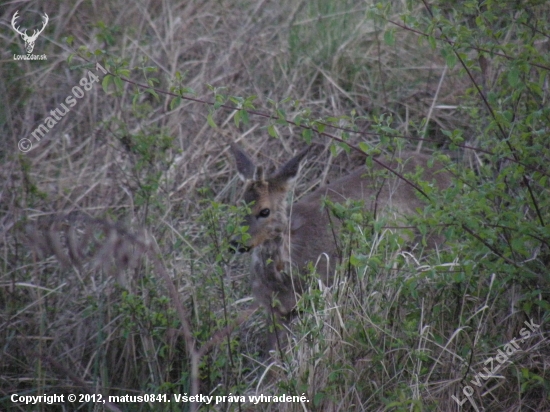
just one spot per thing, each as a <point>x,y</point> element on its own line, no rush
<point>286,174</point>
<point>245,166</point>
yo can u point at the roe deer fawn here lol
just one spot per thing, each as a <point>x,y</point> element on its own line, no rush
<point>284,240</point>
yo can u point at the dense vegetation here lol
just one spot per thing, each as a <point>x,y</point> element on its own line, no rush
<point>115,277</point>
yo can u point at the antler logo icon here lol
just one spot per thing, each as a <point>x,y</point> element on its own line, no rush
<point>29,40</point>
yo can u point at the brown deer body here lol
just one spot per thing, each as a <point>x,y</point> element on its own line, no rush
<point>285,240</point>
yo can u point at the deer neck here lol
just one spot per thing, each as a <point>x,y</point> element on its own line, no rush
<point>273,255</point>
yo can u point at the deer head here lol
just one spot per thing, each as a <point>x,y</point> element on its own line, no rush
<point>29,40</point>
<point>267,195</point>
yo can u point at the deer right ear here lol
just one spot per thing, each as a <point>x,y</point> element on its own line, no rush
<point>286,175</point>
<point>245,166</point>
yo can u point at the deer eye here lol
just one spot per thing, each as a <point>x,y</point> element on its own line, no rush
<point>264,213</point>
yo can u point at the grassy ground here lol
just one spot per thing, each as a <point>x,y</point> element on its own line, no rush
<point>115,277</point>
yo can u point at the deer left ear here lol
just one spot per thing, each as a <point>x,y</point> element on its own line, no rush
<point>245,166</point>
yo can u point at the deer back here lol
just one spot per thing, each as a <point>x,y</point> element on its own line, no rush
<point>313,231</point>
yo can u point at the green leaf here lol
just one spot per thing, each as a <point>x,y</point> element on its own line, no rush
<point>307,134</point>
<point>107,80</point>
<point>320,127</point>
<point>118,83</point>
<point>271,130</point>
<point>281,117</point>
<point>344,146</point>
<point>451,59</point>
<point>513,76</point>
<point>389,37</point>
<point>318,398</point>
<point>358,260</point>
<point>238,101</point>
<point>211,121</point>
<point>244,117</point>
<point>153,93</point>
<point>176,101</point>
<point>248,102</point>
<point>364,147</point>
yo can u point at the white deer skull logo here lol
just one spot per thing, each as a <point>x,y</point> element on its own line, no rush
<point>29,40</point>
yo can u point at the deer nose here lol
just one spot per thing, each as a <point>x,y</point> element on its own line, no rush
<point>237,247</point>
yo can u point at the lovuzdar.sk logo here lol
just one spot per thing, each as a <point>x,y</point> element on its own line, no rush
<point>29,40</point>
